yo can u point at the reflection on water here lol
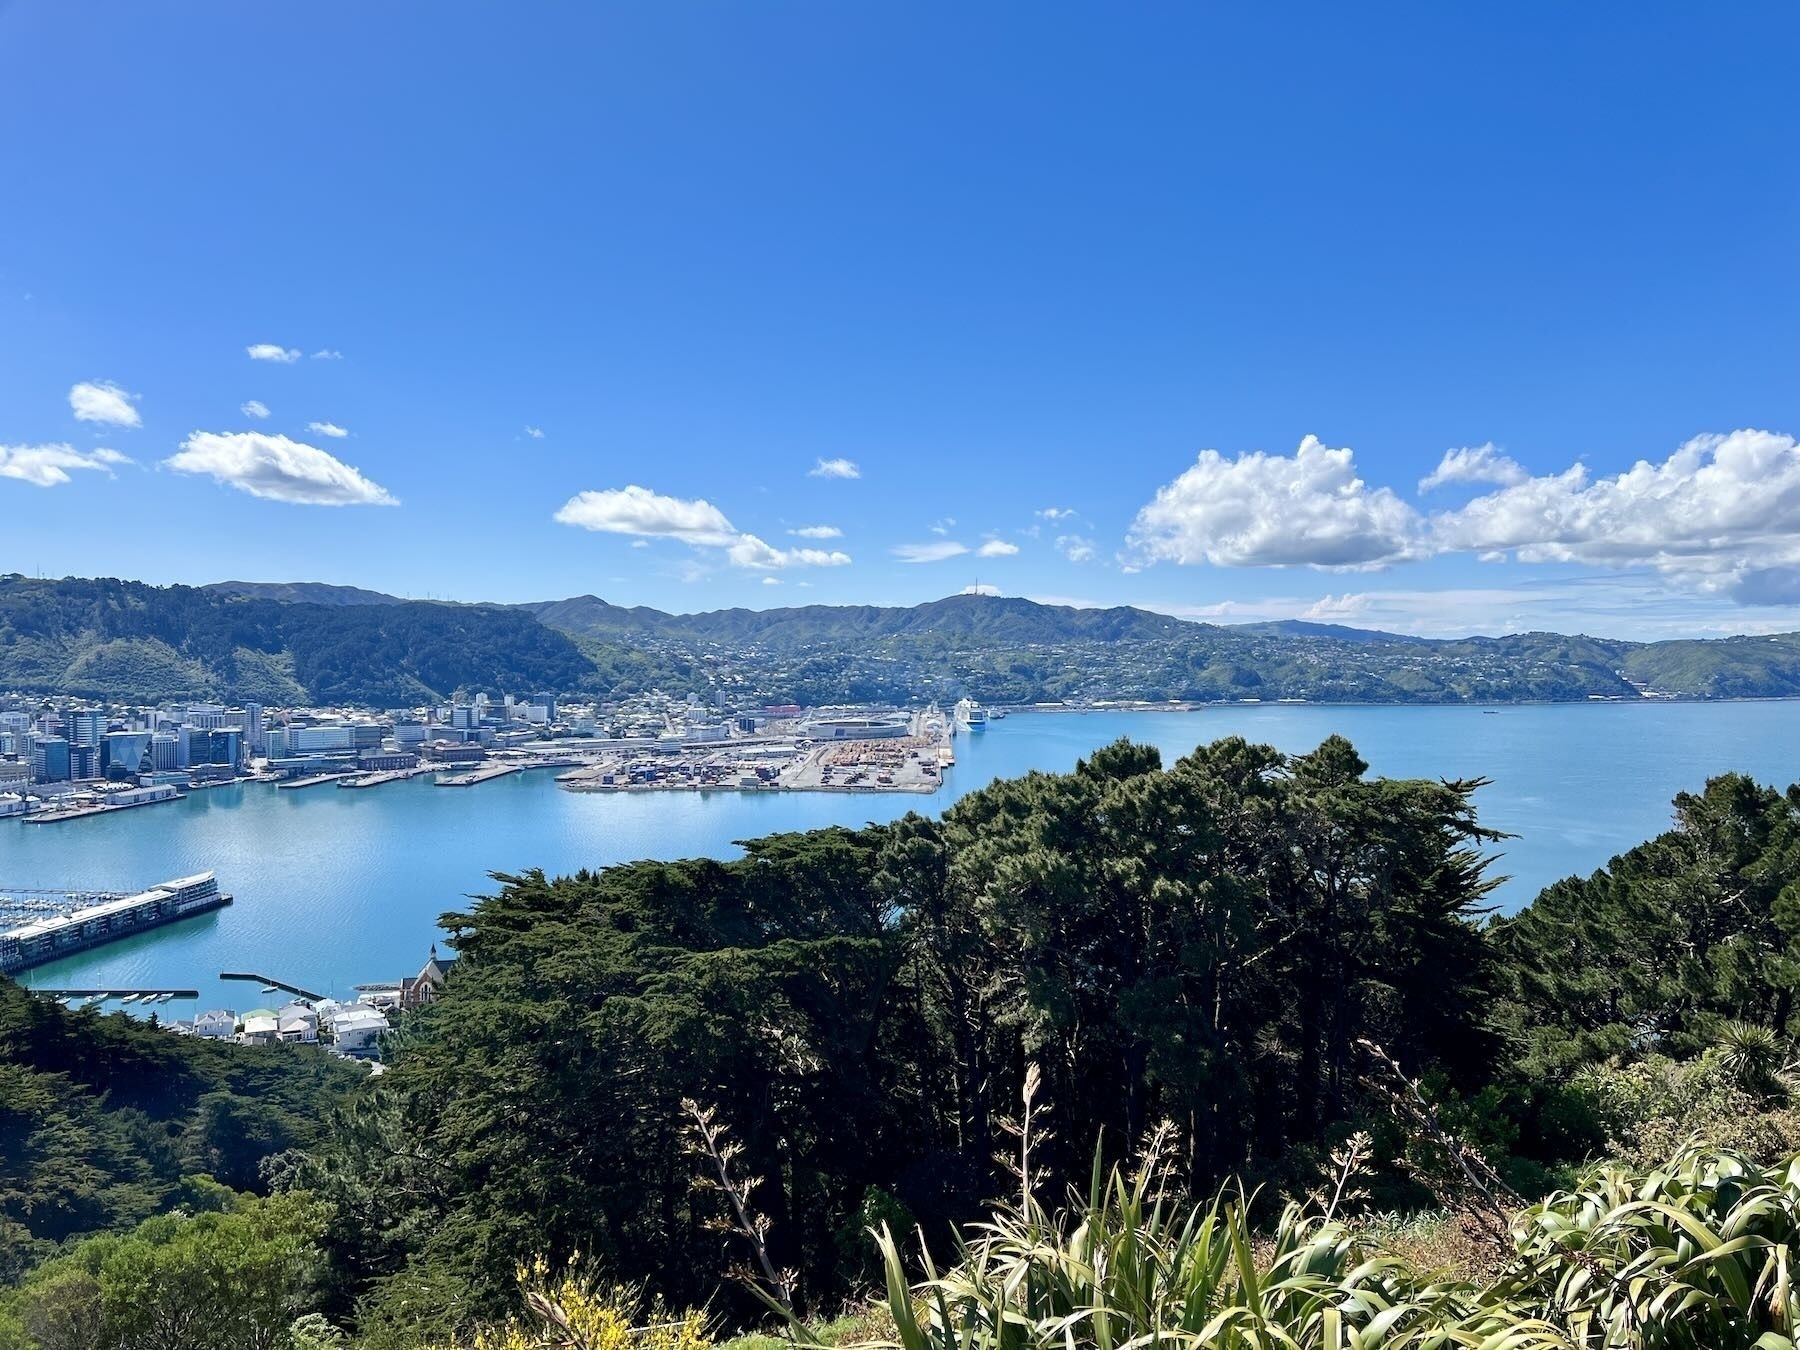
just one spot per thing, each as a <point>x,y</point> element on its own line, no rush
<point>337,888</point>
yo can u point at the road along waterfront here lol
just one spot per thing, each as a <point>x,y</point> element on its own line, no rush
<point>337,888</point>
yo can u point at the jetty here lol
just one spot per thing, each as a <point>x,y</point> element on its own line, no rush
<point>481,775</point>
<point>270,982</point>
<point>116,995</point>
<point>312,780</point>
<point>379,777</point>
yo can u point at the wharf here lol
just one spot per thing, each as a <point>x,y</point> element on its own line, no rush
<point>55,815</point>
<point>381,777</point>
<point>119,995</point>
<point>315,780</point>
<point>88,920</point>
<point>269,982</point>
<point>481,775</point>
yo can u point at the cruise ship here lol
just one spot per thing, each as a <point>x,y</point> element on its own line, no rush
<point>971,716</point>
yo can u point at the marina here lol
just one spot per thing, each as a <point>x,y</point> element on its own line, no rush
<point>89,919</point>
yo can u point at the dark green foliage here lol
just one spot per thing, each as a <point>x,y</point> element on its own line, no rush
<point>232,1276</point>
<point>101,1117</point>
<point>1693,928</point>
<point>1205,942</point>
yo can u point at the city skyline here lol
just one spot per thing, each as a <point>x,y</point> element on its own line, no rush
<point>1428,321</point>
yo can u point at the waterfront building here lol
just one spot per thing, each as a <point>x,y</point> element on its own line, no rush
<point>165,752</point>
<point>326,737</point>
<point>223,745</point>
<point>261,1027</point>
<point>50,760</point>
<point>84,762</point>
<point>387,760</point>
<point>409,733</point>
<point>255,732</point>
<point>15,772</point>
<point>86,728</point>
<point>123,753</point>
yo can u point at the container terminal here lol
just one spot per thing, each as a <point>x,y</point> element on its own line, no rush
<point>38,926</point>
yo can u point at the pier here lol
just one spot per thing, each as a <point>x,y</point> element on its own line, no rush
<point>47,930</point>
<point>380,777</point>
<point>481,775</point>
<point>145,996</point>
<point>315,780</point>
<point>269,982</point>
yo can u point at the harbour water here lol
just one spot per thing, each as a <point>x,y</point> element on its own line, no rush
<point>338,888</point>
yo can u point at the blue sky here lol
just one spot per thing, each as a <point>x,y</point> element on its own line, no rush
<point>1019,267</point>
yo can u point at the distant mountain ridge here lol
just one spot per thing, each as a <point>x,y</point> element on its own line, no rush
<point>306,642</point>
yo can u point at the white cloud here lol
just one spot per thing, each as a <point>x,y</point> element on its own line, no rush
<point>536,433</point>
<point>943,526</point>
<point>996,548</point>
<point>254,408</point>
<point>835,468</point>
<point>817,532</point>
<point>749,551</point>
<point>331,429</point>
<point>932,552</point>
<point>771,581</point>
<point>327,354</point>
<point>638,511</point>
<point>1056,513</point>
<point>104,402</point>
<point>981,588</point>
<point>278,469</point>
<point>1721,513</point>
<point>50,465</point>
<point>272,351</point>
<point>1259,510</point>
<point>1075,548</point>
<point>1474,464</point>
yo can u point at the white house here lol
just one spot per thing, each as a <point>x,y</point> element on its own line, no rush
<point>297,1024</point>
<point>355,1027</point>
<point>261,1027</point>
<point>217,1024</point>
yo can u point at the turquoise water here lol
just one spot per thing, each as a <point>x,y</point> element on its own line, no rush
<point>339,888</point>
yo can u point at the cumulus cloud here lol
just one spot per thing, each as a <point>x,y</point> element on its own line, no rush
<point>1722,512</point>
<point>277,469</point>
<point>1308,509</point>
<point>536,433</point>
<point>935,551</point>
<point>254,408</point>
<point>50,465</point>
<point>817,532</point>
<point>638,510</point>
<point>331,429</point>
<point>696,522</point>
<point>1075,547</point>
<point>749,551</point>
<point>1474,464</point>
<point>834,468</point>
<point>272,351</point>
<point>996,548</point>
<point>104,402</point>
<point>771,581</point>
<point>327,354</point>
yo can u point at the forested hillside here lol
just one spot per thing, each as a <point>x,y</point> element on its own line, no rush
<point>1278,968</point>
<point>286,643</point>
<point>128,641</point>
